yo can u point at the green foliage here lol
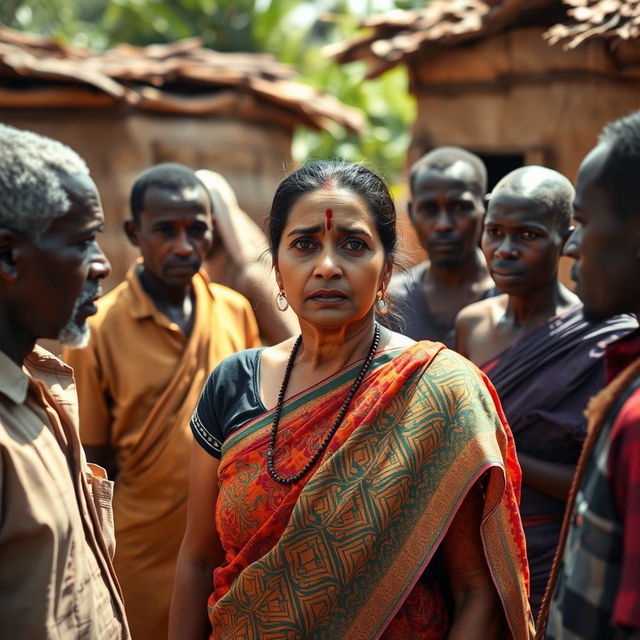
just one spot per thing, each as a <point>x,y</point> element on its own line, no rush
<point>294,31</point>
<point>385,102</point>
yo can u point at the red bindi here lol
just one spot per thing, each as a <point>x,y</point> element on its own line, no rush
<point>329,215</point>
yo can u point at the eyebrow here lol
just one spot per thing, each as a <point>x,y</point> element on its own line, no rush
<point>95,227</point>
<point>304,230</point>
<point>318,228</point>
<point>354,230</point>
<point>464,194</point>
<point>517,225</point>
<point>177,222</point>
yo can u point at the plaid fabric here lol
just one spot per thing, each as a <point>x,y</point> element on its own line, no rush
<point>595,586</point>
<point>623,469</point>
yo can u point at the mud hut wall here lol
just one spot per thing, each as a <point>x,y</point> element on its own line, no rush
<point>514,93</point>
<point>252,157</point>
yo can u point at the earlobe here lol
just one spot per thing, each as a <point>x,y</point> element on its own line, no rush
<point>278,276</point>
<point>8,251</point>
<point>131,230</point>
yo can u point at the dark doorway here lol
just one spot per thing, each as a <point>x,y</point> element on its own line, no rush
<point>499,164</point>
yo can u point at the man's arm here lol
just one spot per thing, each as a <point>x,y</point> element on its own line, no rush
<point>551,478</point>
<point>258,285</point>
<point>472,330</point>
<point>463,324</point>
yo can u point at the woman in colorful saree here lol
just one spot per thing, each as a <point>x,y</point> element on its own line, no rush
<point>349,483</point>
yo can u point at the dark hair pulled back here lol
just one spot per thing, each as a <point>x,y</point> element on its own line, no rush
<point>351,176</point>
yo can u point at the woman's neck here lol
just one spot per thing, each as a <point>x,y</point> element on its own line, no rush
<point>334,350</point>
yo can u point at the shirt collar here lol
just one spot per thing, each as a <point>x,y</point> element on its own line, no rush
<point>142,306</point>
<point>621,353</point>
<point>14,380</point>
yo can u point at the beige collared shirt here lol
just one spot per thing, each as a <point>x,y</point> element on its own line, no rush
<point>56,577</point>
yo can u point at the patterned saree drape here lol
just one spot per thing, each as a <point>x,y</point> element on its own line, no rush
<point>340,553</point>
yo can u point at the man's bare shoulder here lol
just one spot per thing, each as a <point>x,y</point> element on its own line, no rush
<point>476,325</point>
<point>482,309</point>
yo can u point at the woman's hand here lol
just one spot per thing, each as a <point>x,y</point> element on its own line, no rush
<point>478,611</point>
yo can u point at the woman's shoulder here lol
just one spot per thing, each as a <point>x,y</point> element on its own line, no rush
<point>394,340</point>
<point>272,357</point>
<point>237,365</point>
<point>445,361</point>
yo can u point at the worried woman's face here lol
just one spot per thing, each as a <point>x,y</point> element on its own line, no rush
<point>331,261</point>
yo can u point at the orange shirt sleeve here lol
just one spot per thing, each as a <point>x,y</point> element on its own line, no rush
<point>94,415</point>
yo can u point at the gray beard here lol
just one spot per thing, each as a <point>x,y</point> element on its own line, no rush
<point>75,333</point>
<point>74,336</point>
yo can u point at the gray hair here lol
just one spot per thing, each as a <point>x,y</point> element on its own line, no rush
<point>31,169</point>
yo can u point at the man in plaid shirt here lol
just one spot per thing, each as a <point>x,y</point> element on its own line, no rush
<point>594,589</point>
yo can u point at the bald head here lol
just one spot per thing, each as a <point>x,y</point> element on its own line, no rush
<point>543,185</point>
<point>454,162</point>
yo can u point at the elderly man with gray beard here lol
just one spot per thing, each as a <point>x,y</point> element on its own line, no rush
<point>57,580</point>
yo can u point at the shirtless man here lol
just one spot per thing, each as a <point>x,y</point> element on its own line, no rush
<point>447,186</point>
<point>543,357</point>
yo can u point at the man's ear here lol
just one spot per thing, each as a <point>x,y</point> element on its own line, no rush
<point>565,237</point>
<point>131,229</point>
<point>8,254</point>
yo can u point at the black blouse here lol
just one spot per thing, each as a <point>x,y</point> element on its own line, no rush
<point>230,398</point>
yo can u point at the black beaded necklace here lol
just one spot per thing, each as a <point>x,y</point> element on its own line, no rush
<point>325,443</point>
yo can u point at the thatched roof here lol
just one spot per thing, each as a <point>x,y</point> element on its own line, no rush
<point>397,36</point>
<point>178,78</point>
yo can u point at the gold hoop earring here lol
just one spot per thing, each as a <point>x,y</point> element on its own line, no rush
<point>282,302</point>
<point>382,301</point>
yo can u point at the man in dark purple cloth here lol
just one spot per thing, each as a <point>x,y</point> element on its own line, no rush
<point>534,343</point>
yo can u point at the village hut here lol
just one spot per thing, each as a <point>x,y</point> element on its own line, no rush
<point>128,108</point>
<point>516,81</point>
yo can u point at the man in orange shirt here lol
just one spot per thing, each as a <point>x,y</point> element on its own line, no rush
<point>153,343</point>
